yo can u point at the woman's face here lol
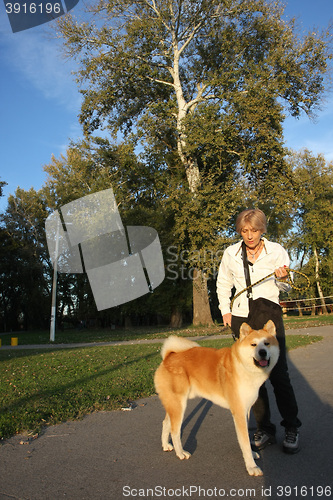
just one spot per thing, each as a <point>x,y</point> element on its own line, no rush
<point>251,236</point>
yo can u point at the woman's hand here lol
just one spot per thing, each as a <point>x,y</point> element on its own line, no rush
<point>227,319</point>
<point>281,272</point>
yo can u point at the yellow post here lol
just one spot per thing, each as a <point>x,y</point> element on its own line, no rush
<point>14,341</point>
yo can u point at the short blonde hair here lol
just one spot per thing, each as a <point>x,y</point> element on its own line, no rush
<point>252,216</point>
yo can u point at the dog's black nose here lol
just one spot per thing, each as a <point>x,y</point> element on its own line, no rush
<point>263,353</point>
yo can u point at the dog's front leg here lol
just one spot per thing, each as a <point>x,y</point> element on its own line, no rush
<point>242,432</point>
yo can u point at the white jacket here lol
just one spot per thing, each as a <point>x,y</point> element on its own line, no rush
<point>231,274</point>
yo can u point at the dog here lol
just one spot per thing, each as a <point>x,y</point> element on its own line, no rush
<point>230,377</point>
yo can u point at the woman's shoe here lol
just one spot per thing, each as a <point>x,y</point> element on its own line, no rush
<point>291,441</point>
<point>261,439</point>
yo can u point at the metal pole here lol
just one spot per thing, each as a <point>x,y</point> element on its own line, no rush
<point>54,288</point>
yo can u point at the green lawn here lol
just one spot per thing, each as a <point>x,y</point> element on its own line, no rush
<point>44,387</point>
<point>308,321</point>
<point>107,335</point>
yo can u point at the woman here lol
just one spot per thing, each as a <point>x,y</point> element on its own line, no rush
<point>263,258</point>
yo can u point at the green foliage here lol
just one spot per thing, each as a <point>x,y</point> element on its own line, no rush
<point>2,184</point>
<point>226,51</point>
<point>201,82</point>
<point>23,261</point>
<point>312,234</point>
<point>141,195</point>
<point>204,85</point>
<point>314,215</point>
<point>199,90</point>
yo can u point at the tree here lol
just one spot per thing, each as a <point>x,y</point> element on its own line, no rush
<point>2,184</point>
<point>95,165</point>
<point>312,234</point>
<point>24,289</point>
<point>160,68</point>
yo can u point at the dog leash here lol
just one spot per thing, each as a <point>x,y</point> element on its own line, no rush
<point>283,280</point>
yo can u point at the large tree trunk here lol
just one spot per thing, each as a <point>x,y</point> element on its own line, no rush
<point>201,307</point>
<point>176,320</point>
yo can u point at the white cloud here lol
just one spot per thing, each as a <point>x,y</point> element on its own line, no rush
<point>38,59</point>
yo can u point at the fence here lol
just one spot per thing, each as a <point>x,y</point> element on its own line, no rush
<point>313,304</point>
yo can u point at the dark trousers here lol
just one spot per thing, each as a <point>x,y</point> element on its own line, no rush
<point>280,380</point>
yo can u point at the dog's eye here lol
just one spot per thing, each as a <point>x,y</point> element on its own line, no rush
<point>254,344</point>
<point>266,343</point>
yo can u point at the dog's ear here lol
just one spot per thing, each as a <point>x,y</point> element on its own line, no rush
<point>244,331</point>
<point>270,327</point>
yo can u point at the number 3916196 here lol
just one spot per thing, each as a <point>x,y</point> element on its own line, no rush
<point>302,491</point>
<point>33,8</point>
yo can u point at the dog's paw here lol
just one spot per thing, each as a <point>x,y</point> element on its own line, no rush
<point>184,455</point>
<point>255,455</point>
<point>255,471</point>
<point>168,447</point>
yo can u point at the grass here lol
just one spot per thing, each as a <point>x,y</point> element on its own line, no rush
<point>45,387</point>
<point>155,332</point>
<point>308,321</point>
<point>108,335</point>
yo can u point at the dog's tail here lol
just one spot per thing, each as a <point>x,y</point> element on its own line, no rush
<point>176,344</point>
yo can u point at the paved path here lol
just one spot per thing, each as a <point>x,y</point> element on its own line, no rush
<point>117,455</point>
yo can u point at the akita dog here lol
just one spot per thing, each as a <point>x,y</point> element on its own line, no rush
<point>230,377</point>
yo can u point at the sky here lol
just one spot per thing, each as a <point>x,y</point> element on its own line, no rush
<point>40,100</point>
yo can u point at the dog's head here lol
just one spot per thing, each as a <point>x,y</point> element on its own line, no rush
<point>259,346</point>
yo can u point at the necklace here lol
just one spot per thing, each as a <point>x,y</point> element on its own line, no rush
<point>253,254</point>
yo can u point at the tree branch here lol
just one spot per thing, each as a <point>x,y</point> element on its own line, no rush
<point>153,7</point>
<point>190,37</point>
<point>160,81</point>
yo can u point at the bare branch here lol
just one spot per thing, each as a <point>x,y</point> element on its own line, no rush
<point>190,106</point>
<point>164,82</point>
<point>191,36</point>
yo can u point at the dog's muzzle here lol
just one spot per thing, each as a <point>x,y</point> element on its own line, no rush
<point>264,360</point>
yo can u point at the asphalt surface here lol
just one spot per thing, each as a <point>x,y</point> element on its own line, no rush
<point>117,455</point>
